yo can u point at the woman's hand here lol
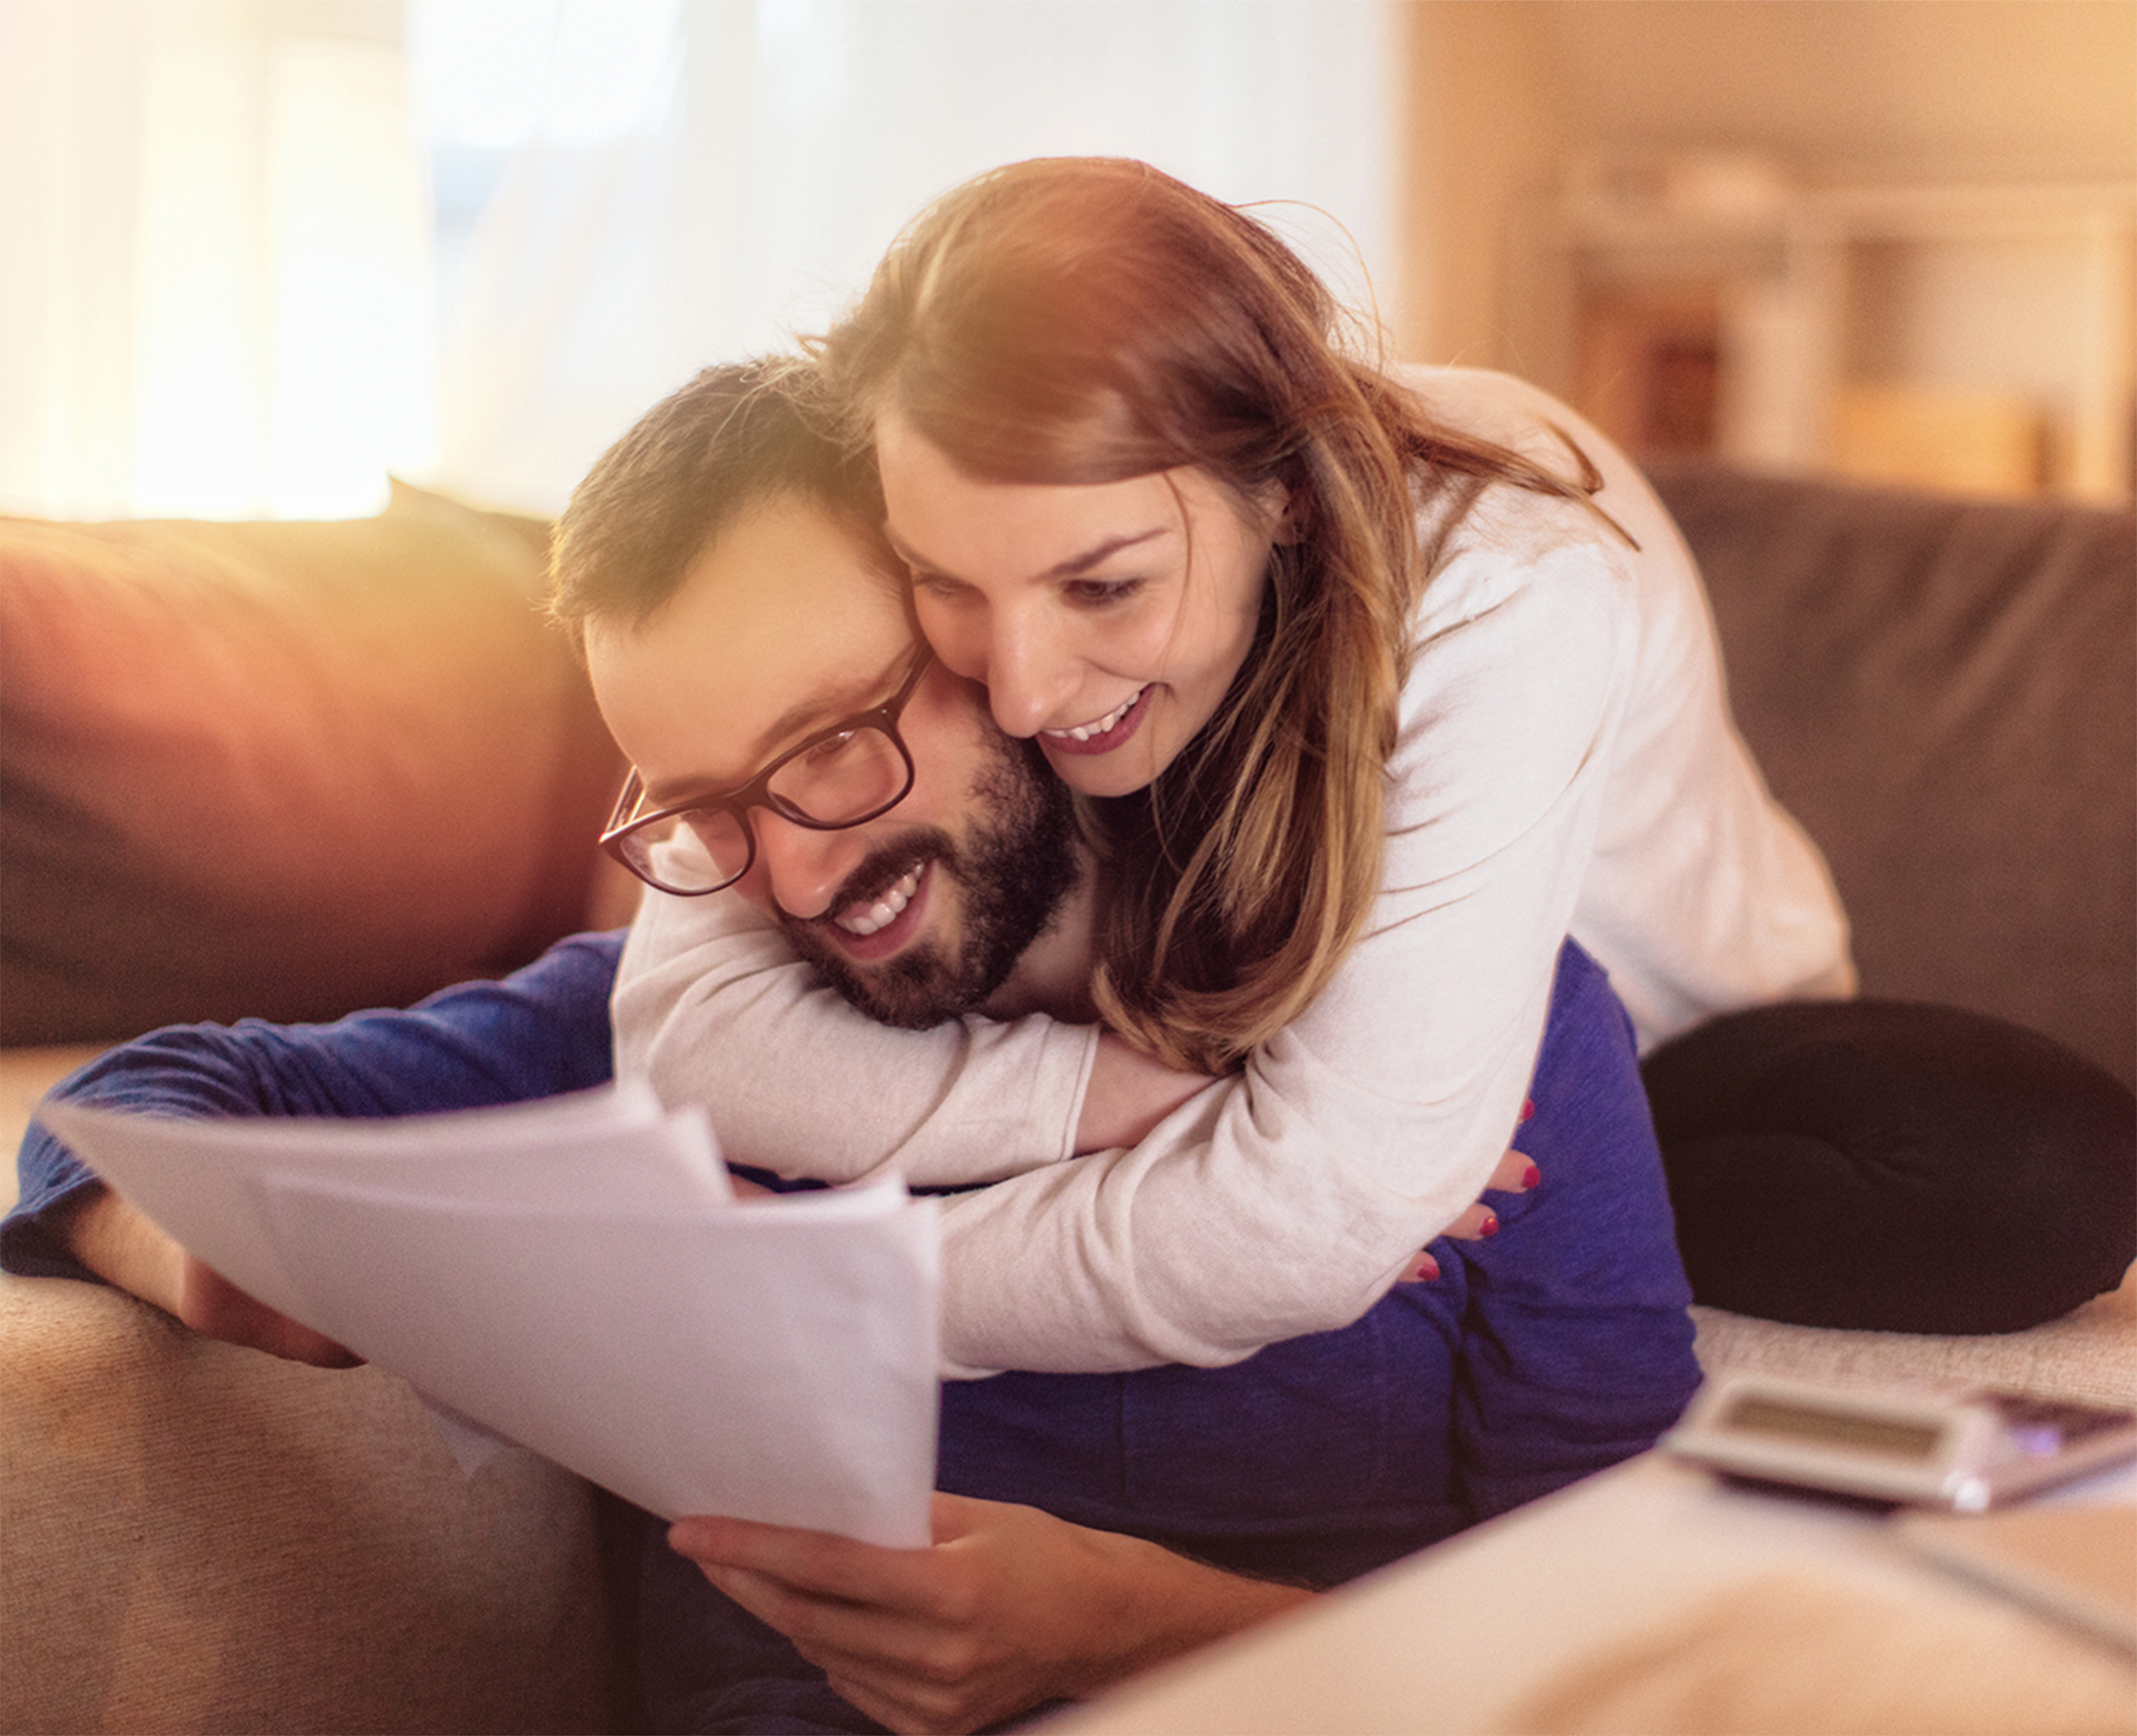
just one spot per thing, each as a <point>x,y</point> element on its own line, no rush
<point>127,1250</point>
<point>1010,1607</point>
<point>1515,1173</point>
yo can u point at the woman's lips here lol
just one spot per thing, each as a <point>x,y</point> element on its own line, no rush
<point>1102,735</point>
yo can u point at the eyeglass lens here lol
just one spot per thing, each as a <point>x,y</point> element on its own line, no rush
<point>838,780</point>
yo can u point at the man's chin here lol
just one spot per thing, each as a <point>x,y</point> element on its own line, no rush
<point>1010,872</point>
<point>913,991</point>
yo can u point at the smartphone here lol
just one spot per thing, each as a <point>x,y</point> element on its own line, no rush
<point>1967,1451</point>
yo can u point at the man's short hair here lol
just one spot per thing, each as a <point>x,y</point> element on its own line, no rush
<point>737,435</point>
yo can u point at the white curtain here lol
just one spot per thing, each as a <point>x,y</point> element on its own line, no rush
<point>609,194</point>
<point>216,293</point>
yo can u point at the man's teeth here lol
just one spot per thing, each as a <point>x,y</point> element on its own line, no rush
<point>886,910</point>
<point>1084,731</point>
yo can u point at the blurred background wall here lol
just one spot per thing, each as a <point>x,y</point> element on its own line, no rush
<point>259,252</point>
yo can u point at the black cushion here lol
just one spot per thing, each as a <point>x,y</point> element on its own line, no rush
<point>1894,1166</point>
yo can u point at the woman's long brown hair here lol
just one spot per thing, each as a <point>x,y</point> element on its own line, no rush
<point>1078,320</point>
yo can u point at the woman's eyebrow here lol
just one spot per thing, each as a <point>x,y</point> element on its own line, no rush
<point>1074,566</point>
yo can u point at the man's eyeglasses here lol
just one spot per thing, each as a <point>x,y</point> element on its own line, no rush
<point>843,775</point>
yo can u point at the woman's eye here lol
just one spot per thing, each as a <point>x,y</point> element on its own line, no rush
<point>1100,593</point>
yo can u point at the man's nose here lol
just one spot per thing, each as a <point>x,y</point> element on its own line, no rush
<point>804,868</point>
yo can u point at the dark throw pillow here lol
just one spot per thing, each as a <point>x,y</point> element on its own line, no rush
<point>1894,1166</point>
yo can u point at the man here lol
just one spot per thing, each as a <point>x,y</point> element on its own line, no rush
<point>914,915</point>
<point>768,686</point>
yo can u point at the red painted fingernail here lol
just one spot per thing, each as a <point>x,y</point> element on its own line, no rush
<point>1424,1268</point>
<point>1489,1227</point>
<point>1531,1176</point>
<point>1528,1107</point>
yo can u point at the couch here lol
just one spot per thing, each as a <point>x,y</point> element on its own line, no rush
<point>289,770</point>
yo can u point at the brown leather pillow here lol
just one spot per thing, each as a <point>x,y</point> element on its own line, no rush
<point>285,769</point>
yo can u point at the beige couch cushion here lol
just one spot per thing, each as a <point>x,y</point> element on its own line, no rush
<point>2089,1355</point>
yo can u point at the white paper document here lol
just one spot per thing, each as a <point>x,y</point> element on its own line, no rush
<point>577,1276</point>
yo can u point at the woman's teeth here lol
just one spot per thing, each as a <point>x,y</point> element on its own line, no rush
<point>886,910</point>
<point>1084,731</point>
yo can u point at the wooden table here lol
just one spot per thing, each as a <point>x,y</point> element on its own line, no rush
<point>1655,1598</point>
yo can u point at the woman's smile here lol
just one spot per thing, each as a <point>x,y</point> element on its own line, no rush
<point>1102,735</point>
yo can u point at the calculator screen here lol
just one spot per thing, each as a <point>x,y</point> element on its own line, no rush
<point>1760,1414</point>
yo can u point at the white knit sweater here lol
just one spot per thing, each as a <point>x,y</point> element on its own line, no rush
<point>1566,763</point>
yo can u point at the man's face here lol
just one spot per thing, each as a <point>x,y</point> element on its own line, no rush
<point>782,626</point>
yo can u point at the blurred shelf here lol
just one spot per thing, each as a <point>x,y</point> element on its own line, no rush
<point>1982,338</point>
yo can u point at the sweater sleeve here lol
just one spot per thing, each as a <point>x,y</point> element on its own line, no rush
<point>538,1033</point>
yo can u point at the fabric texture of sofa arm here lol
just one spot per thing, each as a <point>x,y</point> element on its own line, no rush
<point>200,1537</point>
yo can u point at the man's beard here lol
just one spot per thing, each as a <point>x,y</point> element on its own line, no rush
<point>1017,864</point>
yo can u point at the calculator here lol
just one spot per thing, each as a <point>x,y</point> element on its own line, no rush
<point>1967,1451</point>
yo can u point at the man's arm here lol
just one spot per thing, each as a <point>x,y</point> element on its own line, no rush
<point>540,1032</point>
<point>113,1241</point>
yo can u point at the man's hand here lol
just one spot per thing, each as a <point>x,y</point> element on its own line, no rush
<point>125,1249</point>
<point>209,1303</point>
<point>1010,1607</point>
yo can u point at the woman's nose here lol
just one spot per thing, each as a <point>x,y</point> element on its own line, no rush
<point>1030,675</point>
<point>803,868</point>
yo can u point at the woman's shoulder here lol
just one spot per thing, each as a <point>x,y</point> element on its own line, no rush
<point>1499,407</point>
<point>1528,421</point>
<point>1611,539</point>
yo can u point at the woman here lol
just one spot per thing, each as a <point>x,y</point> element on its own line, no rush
<point>1373,690</point>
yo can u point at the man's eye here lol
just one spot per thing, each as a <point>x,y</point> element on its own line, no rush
<point>935,588</point>
<point>829,747</point>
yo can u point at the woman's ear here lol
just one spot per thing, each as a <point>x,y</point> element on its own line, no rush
<point>1283,513</point>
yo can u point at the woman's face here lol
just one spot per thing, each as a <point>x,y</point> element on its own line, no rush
<point>1105,619</point>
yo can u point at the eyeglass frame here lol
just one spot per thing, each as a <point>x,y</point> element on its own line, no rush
<point>757,792</point>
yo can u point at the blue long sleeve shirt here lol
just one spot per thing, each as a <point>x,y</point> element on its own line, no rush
<point>1555,1348</point>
